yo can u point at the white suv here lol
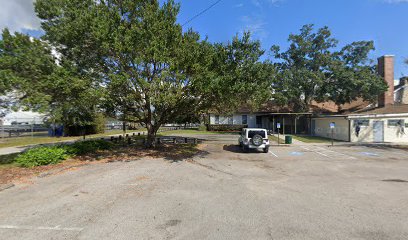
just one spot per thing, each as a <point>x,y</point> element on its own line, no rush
<point>254,138</point>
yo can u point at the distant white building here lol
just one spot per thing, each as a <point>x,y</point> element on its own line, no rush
<point>22,118</point>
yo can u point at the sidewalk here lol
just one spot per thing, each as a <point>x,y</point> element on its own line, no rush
<point>294,141</point>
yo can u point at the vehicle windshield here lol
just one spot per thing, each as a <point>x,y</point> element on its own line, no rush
<point>252,133</point>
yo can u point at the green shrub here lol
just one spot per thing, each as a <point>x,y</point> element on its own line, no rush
<point>202,128</point>
<point>226,128</point>
<point>42,156</point>
<point>80,148</point>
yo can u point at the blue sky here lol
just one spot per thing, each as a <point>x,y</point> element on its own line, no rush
<point>271,21</point>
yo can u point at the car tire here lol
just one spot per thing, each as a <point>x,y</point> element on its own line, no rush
<point>266,150</point>
<point>257,140</point>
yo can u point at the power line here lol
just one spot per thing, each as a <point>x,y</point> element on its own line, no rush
<point>201,13</point>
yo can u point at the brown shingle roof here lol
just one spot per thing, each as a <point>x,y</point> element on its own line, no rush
<point>389,109</point>
<point>331,107</point>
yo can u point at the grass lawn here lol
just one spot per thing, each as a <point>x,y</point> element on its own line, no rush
<point>24,141</point>
<point>194,132</point>
<point>313,139</point>
<point>275,139</point>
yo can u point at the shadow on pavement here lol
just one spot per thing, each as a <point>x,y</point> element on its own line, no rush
<point>232,148</point>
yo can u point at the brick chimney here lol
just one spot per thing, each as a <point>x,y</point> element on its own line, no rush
<point>386,70</point>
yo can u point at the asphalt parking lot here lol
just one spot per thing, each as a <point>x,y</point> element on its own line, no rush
<point>298,192</point>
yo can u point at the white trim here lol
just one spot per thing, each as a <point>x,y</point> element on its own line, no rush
<point>386,115</point>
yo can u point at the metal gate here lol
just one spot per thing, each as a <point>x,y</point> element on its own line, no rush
<point>378,131</point>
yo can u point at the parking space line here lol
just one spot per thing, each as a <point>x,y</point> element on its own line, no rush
<point>56,228</point>
<point>307,149</point>
<point>337,153</point>
<point>273,154</point>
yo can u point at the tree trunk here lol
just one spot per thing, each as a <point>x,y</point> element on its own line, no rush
<point>151,135</point>
<point>124,128</point>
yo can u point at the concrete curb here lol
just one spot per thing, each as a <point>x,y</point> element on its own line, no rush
<point>6,186</point>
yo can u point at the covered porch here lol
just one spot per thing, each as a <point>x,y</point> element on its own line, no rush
<point>290,123</point>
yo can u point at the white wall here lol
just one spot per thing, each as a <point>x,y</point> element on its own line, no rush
<point>392,134</point>
<point>341,131</point>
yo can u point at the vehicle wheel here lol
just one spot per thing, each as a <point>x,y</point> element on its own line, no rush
<point>257,140</point>
<point>266,150</point>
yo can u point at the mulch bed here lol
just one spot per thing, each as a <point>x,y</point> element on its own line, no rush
<point>12,174</point>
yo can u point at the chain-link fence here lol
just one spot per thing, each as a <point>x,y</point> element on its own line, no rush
<point>11,127</point>
<point>9,131</point>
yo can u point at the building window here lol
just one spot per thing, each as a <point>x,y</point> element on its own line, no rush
<point>396,123</point>
<point>362,123</point>
<point>231,120</point>
<point>244,119</point>
<point>217,119</point>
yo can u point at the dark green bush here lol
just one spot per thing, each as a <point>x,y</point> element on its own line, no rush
<point>42,156</point>
<point>226,128</point>
<point>202,128</point>
<point>91,146</point>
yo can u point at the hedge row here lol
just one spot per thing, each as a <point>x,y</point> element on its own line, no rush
<point>226,128</point>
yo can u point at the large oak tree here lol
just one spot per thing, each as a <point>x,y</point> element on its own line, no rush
<point>152,72</point>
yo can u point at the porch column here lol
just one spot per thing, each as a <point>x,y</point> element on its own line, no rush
<point>284,125</point>
<point>295,124</point>
<point>273,125</point>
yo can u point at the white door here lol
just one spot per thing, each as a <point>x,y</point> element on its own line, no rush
<point>378,131</point>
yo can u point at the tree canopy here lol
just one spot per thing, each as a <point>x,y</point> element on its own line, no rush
<point>153,72</point>
<point>321,73</point>
<point>131,59</point>
<point>32,74</point>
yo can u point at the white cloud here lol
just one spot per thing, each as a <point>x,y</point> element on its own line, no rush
<point>239,5</point>
<point>256,25</point>
<point>260,3</point>
<point>18,15</point>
